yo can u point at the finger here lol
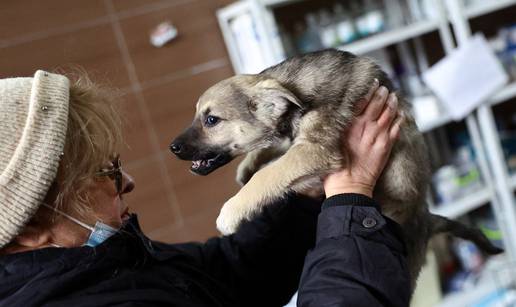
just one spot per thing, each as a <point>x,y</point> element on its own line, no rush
<point>386,137</point>
<point>362,103</point>
<point>394,131</point>
<point>389,112</point>
<point>375,107</point>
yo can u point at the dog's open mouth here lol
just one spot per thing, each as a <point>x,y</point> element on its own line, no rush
<point>204,167</point>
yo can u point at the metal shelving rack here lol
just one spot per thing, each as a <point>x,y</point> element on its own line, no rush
<point>505,208</point>
<point>499,185</point>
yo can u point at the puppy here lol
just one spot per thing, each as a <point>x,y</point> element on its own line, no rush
<point>289,120</point>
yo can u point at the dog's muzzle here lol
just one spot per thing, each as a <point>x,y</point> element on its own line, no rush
<point>203,163</point>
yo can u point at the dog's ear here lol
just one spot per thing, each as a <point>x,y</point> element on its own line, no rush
<point>270,100</point>
<point>276,91</point>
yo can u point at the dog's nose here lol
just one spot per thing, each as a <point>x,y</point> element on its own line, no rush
<point>176,148</point>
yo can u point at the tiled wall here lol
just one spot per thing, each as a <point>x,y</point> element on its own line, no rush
<point>110,39</point>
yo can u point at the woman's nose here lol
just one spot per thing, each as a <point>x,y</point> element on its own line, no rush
<point>128,183</point>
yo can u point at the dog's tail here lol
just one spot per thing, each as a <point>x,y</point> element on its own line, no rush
<point>440,224</point>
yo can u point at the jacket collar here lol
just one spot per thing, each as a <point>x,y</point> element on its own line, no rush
<point>121,245</point>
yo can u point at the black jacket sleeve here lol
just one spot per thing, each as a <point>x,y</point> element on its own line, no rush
<point>261,263</point>
<point>359,258</point>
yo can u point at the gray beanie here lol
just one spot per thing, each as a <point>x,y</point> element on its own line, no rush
<point>33,121</point>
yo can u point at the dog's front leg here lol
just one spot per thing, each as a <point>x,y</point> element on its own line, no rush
<point>272,182</point>
<point>256,159</point>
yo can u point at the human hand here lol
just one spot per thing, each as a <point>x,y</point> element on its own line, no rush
<point>367,144</point>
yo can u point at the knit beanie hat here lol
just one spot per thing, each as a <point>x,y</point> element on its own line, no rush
<point>33,121</point>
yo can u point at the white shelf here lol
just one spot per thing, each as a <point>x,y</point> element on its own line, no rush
<point>508,92</point>
<point>428,113</point>
<point>486,285</point>
<point>272,3</point>
<point>427,124</point>
<point>464,205</point>
<point>390,37</point>
<point>487,6</point>
<point>430,124</point>
<point>481,8</point>
<point>512,181</point>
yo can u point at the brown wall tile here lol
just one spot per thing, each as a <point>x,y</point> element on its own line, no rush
<point>133,5</point>
<point>124,5</point>
<point>199,39</point>
<point>151,197</point>
<point>222,3</point>
<point>95,49</point>
<point>25,17</point>
<point>196,194</point>
<point>135,131</point>
<point>172,105</point>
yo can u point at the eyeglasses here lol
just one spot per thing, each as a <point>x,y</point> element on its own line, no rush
<point>114,173</point>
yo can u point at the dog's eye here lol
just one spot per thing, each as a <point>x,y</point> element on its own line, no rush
<point>211,120</point>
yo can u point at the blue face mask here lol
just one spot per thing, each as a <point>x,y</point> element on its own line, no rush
<point>99,233</point>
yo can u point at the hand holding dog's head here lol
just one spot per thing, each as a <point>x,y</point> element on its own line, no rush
<point>233,117</point>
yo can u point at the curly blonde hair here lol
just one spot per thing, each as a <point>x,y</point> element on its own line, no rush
<point>93,137</point>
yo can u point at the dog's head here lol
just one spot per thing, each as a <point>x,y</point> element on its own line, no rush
<point>233,117</point>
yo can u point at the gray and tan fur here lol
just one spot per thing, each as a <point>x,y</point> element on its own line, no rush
<point>289,120</point>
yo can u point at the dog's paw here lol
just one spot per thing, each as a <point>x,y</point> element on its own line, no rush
<point>230,216</point>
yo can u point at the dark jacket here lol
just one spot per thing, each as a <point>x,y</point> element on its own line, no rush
<point>351,264</point>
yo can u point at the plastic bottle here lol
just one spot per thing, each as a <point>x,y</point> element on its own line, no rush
<point>327,30</point>
<point>360,17</point>
<point>469,175</point>
<point>308,38</point>
<point>374,16</point>
<point>468,254</point>
<point>445,183</point>
<point>346,31</point>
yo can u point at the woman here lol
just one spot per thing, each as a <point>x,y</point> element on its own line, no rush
<point>67,239</point>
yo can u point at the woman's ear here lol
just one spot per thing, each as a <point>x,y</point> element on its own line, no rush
<point>33,237</point>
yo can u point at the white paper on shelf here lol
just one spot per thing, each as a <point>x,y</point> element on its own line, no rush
<point>248,44</point>
<point>467,77</point>
<point>426,110</point>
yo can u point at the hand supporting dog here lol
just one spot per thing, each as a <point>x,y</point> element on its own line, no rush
<point>367,144</point>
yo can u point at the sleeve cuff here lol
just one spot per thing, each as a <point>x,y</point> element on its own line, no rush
<point>344,214</point>
<point>350,199</point>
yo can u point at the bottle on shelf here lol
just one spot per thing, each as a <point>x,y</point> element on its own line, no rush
<point>327,30</point>
<point>307,37</point>
<point>468,174</point>
<point>468,254</point>
<point>416,11</point>
<point>375,16</point>
<point>346,31</point>
<point>444,181</point>
<point>286,42</point>
<point>371,19</point>
<point>359,18</point>
<point>409,75</point>
<point>395,16</point>
<point>509,36</point>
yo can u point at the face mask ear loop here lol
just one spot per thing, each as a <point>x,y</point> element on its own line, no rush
<point>69,217</point>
